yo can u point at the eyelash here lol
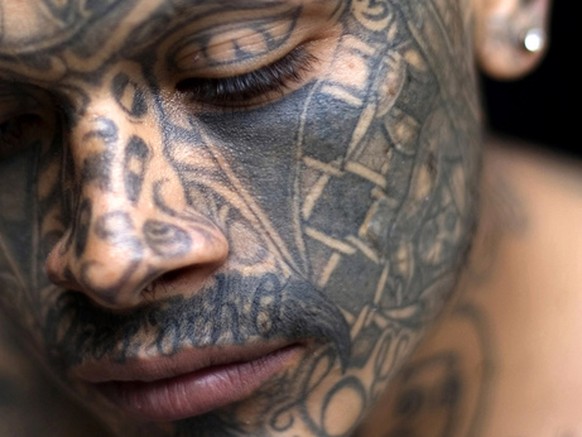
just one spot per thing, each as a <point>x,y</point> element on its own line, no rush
<point>243,89</point>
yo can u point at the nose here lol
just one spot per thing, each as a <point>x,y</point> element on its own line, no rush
<point>121,247</point>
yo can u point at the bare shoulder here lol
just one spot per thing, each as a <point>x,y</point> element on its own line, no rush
<point>537,170</point>
<point>533,298</point>
<point>546,189</point>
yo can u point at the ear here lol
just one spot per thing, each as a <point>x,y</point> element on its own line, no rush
<point>511,36</point>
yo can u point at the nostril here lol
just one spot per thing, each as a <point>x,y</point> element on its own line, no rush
<point>63,278</point>
<point>173,276</point>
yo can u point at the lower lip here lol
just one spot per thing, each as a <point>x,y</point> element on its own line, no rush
<point>196,393</point>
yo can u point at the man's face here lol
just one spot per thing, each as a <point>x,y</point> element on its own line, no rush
<point>228,217</point>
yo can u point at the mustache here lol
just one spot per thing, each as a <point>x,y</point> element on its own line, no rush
<point>234,310</point>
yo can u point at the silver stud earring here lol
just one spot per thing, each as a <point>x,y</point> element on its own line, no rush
<point>534,40</point>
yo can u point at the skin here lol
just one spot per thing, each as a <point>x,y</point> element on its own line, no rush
<point>503,359</point>
<point>149,213</point>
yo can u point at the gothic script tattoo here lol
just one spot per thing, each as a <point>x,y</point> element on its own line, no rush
<point>200,173</point>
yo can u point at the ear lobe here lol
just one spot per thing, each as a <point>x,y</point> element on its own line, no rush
<point>511,36</point>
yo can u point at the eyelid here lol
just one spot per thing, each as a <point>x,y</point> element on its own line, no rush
<point>277,76</point>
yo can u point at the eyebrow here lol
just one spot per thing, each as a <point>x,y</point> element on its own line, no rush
<point>235,2</point>
<point>241,4</point>
<point>199,10</point>
<point>186,8</point>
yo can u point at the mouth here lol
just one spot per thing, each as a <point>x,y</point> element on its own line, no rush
<point>189,383</point>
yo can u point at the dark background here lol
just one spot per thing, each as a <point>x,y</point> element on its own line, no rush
<point>542,106</point>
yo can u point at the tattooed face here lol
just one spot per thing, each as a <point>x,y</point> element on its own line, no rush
<point>233,218</point>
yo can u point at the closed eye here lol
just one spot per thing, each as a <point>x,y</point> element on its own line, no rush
<point>258,86</point>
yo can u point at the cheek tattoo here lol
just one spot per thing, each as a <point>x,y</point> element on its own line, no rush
<point>198,175</point>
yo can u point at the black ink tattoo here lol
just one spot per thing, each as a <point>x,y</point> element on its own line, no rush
<point>343,192</point>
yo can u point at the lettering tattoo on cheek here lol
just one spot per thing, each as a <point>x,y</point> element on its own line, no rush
<point>347,205</point>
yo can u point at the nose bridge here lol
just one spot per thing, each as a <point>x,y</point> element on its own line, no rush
<point>117,242</point>
<point>110,163</point>
<point>111,118</point>
<point>108,154</point>
<point>102,247</point>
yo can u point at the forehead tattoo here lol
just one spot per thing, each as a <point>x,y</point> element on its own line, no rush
<point>337,211</point>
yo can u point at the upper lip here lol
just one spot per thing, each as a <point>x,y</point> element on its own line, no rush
<point>149,369</point>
